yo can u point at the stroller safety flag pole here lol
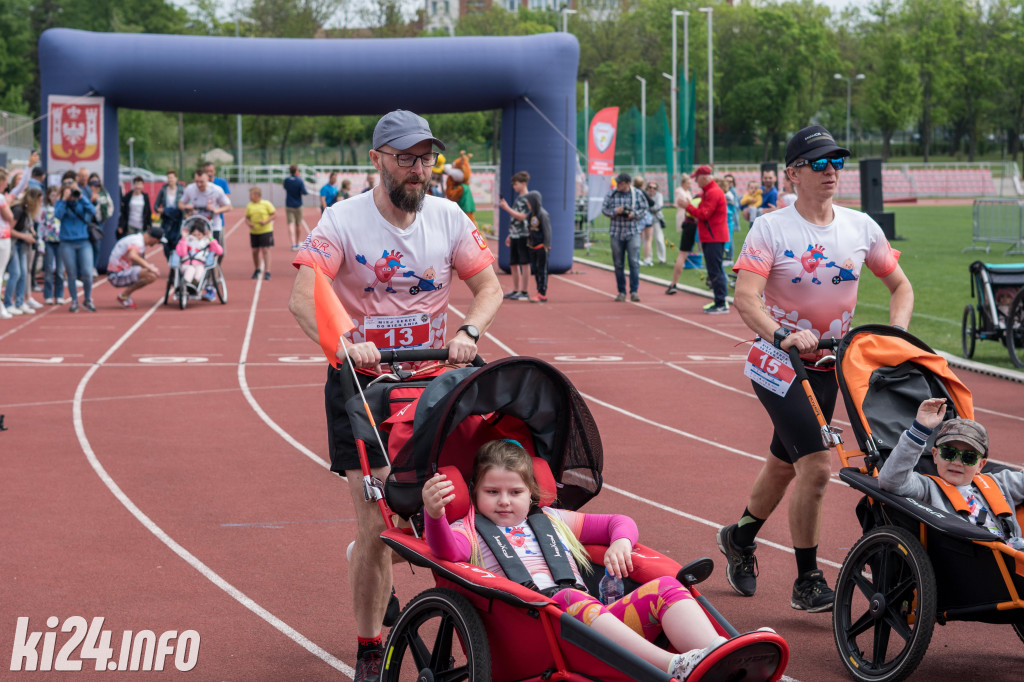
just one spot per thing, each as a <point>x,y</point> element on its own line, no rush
<point>332,322</point>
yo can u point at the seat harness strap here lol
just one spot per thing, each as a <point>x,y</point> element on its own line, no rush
<point>986,485</point>
<point>551,547</point>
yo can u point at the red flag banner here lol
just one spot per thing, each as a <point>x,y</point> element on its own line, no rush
<point>601,142</point>
<point>331,318</point>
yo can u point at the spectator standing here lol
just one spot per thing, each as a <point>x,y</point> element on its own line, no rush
<point>346,190</point>
<point>776,286</point>
<point>329,192</point>
<point>434,234</point>
<point>750,203</point>
<point>626,207</point>
<point>656,237</point>
<point>136,215</point>
<point>371,181</point>
<point>38,179</point>
<point>686,226</point>
<point>49,239</point>
<point>769,191</point>
<point>259,216</point>
<point>128,267</point>
<point>518,231</point>
<point>170,215</point>
<point>294,190</point>
<point>647,224</point>
<point>211,172</point>
<point>538,241</point>
<point>6,219</point>
<point>76,214</point>
<point>25,212</point>
<point>713,228</point>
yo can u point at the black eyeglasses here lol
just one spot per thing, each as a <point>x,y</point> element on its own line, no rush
<point>968,457</point>
<point>818,165</point>
<point>407,160</point>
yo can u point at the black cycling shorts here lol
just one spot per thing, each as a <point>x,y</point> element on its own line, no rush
<point>688,237</point>
<point>797,432</point>
<point>341,440</point>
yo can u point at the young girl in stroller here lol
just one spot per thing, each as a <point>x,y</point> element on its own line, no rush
<point>194,251</point>
<point>505,492</point>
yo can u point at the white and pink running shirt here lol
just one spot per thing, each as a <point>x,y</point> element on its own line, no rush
<point>813,270</point>
<point>394,283</point>
<point>119,255</point>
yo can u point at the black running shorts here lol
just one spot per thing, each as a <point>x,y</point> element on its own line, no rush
<point>797,432</point>
<point>519,252</point>
<point>340,439</point>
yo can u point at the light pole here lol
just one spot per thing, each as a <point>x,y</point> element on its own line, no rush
<point>674,90</point>
<point>131,154</point>
<point>565,18</point>
<point>643,125</point>
<point>849,93</point>
<point>238,117</point>
<point>711,93</point>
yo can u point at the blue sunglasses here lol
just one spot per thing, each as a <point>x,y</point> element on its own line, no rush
<point>818,165</point>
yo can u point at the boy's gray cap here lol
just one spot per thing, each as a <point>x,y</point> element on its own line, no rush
<point>966,431</point>
<point>402,130</point>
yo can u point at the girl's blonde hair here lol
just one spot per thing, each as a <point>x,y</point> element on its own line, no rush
<point>32,201</point>
<point>510,455</point>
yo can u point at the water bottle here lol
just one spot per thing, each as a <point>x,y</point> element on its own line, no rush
<point>611,588</point>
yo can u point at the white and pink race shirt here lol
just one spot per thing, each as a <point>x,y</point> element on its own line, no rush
<point>120,254</point>
<point>813,270</point>
<point>5,229</point>
<point>394,283</point>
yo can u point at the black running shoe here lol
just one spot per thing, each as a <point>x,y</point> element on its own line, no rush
<point>742,568</point>
<point>812,594</point>
<point>368,666</point>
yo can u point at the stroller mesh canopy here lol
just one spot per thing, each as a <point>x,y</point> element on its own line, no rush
<point>521,398</point>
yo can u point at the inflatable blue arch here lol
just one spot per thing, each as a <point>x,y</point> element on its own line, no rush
<point>299,77</point>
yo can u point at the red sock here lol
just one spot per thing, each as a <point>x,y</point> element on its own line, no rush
<point>370,643</point>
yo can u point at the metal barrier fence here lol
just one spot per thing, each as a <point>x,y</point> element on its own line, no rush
<point>998,220</point>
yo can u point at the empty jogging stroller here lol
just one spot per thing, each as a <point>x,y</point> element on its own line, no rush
<point>474,624</point>
<point>906,572</point>
<point>1000,309</point>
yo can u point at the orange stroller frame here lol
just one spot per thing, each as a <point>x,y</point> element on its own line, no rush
<point>906,572</point>
<point>477,625</point>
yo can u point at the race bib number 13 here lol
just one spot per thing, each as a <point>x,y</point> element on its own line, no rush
<point>399,331</point>
<point>770,367</point>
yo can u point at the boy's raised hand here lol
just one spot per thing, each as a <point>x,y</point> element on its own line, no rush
<point>437,492</point>
<point>931,412</point>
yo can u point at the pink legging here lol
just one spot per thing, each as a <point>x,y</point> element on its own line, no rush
<point>642,609</point>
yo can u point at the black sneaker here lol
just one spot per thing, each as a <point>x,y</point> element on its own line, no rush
<point>256,274</point>
<point>368,665</point>
<point>811,593</point>
<point>742,568</point>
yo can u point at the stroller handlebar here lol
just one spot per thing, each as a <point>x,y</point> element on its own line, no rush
<point>798,365</point>
<point>390,357</point>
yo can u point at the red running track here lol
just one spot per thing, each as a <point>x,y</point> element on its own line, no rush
<point>165,470</point>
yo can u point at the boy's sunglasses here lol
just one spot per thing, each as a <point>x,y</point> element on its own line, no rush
<point>968,457</point>
<point>818,165</point>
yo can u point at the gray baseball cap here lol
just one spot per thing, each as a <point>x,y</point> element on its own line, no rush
<point>965,431</point>
<point>402,130</point>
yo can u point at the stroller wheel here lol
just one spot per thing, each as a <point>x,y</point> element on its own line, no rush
<point>968,332</point>
<point>182,293</point>
<point>1019,629</point>
<point>170,287</point>
<point>885,604</point>
<point>221,285</point>
<point>1015,330</point>
<point>438,636</point>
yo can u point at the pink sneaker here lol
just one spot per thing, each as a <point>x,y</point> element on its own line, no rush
<point>126,301</point>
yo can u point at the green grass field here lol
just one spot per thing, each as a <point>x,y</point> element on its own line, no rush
<point>931,239</point>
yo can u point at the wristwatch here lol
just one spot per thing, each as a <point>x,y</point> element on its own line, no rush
<point>780,334</point>
<point>471,331</point>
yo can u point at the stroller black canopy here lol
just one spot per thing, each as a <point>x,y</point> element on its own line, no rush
<point>515,397</point>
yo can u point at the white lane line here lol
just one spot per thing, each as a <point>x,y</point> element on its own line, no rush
<point>244,385</point>
<point>204,570</point>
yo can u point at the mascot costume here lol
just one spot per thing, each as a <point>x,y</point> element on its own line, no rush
<point>457,188</point>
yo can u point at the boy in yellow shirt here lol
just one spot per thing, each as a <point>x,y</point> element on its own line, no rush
<point>259,216</point>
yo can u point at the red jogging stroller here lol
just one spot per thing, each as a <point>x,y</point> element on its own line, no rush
<point>906,573</point>
<point>475,625</point>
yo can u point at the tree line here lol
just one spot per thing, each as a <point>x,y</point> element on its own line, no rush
<point>952,71</point>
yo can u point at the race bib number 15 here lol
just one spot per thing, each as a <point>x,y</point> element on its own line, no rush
<point>399,331</point>
<point>770,367</point>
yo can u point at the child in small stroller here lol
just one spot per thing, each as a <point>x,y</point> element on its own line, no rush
<point>506,493</point>
<point>194,252</point>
